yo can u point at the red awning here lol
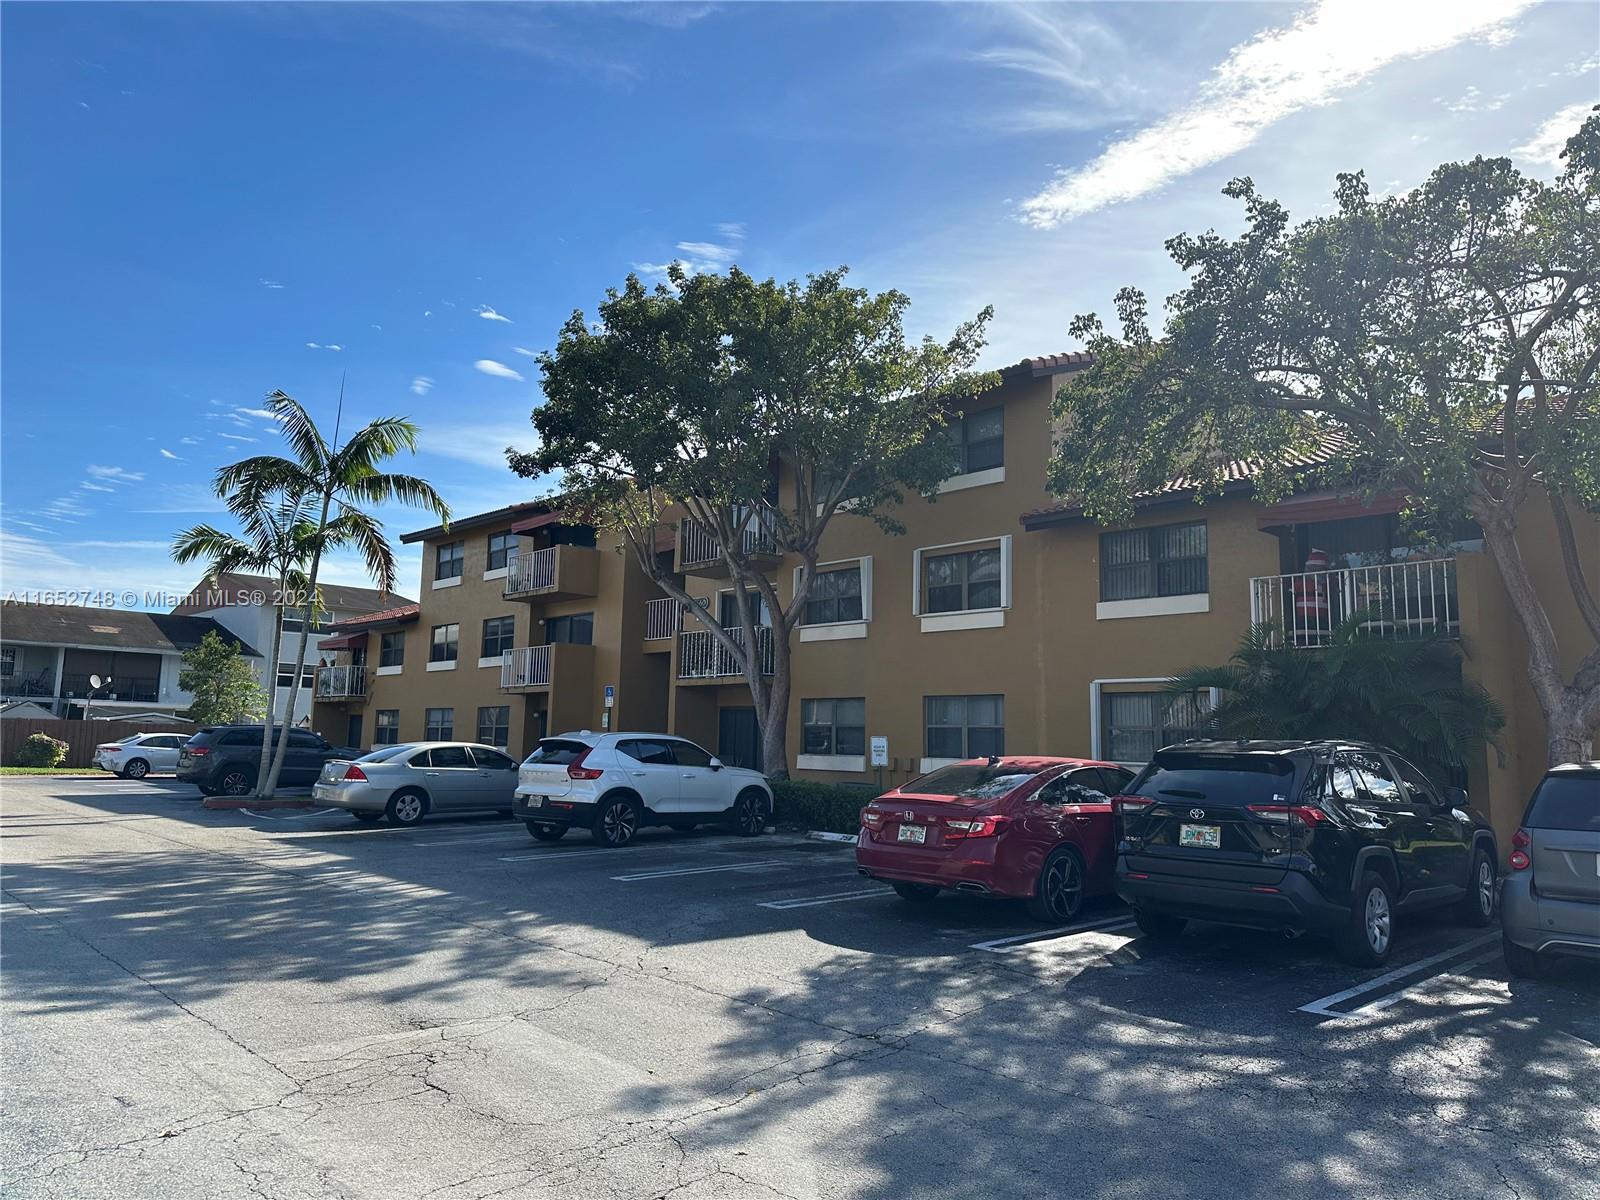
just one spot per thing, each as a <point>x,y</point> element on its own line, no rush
<point>1327,506</point>
<point>344,641</point>
<point>529,524</point>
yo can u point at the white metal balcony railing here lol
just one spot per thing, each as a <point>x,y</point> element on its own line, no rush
<point>701,656</point>
<point>660,618</point>
<point>1398,598</point>
<point>525,666</point>
<point>338,683</point>
<point>530,571</point>
<point>699,542</point>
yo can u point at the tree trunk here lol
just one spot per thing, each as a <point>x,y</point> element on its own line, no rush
<point>774,717</point>
<point>272,687</point>
<point>306,613</point>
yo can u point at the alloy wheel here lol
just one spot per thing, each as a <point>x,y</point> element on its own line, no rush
<point>1377,920</point>
<point>1485,887</point>
<point>618,823</point>
<point>138,769</point>
<point>234,783</point>
<point>1062,886</point>
<point>751,818</point>
<point>408,809</point>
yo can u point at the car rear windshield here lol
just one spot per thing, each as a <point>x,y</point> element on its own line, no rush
<point>1216,779</point>
<point>385,754</point>
<point>970,781</point>
<point>1566,802</point>
<point>555,752</point>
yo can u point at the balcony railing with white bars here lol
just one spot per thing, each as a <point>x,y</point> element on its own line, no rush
<point>530,571</point>
<point>341,683</point>
<point>1395,599</point>
<point>660,618</point>
<point>525,666</point>
<point>698,543</point>
<point>701,656</point>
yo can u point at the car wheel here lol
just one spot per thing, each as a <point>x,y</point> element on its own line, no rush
<point>917,893</point>
<point>368,818</point>
<point>1059,892</point>
<point>406,808</point>
<point>236,781</point>
<point>1369,933</point>
<point>1522,962</point>
<point>1477,906</point>
<point>546,833</point>
<point>1159,925</point>
<point>616,822</point>
<point>206,789</point>
<point>135,768</point>
<point>750,813</point>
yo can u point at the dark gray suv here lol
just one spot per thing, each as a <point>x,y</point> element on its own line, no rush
<point>1550,899</point>
<point>223,759</point>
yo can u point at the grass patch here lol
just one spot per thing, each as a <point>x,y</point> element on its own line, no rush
<point>49,771</point>
<point>828,807</point>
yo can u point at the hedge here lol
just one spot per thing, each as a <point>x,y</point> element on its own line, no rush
<point>830,807</point>
<point>41,750</point>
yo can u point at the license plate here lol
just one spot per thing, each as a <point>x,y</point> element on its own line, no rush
<point>916,834</point>
<point>535,801</point>
<point>1208,837</point>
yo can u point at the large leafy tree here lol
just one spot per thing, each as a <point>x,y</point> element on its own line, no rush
<point>1447,338</point>
<point>750,406</point>
<point>223,685</point>
<point>335,482</point>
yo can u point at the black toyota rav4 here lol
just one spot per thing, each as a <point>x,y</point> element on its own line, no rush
<point>1327,837</point>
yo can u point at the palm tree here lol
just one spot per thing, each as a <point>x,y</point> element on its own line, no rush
<point>276,540</point>
<point>1406,693</point>
<point>335,482</point>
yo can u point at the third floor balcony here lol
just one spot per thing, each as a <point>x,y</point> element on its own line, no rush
<point>554,573</point>
<point>700,553</point>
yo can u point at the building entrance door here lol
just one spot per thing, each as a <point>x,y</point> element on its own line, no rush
<point>739,738</point>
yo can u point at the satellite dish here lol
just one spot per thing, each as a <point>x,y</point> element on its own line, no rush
<point>94,681</point>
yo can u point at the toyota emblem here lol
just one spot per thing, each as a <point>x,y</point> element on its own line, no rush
<point>1197,813</point>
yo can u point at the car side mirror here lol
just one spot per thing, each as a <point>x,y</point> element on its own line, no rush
<point>716,763</point>
<point>1455,797</point>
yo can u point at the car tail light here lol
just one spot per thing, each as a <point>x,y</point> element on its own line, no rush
<point>1306,814</point>
<point>1520,841</point>
<point>978,828</point>
<point>1130,806</point>
<point>871,818</point>
<point>109,747</point>
<point>197,751</point>
<point>576,769</point>
<point>356,773</point>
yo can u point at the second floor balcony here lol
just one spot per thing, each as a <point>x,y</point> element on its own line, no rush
<point>1395,600</point>
<point>702,656</point>
<point>566,665</point>
<point>553,573</point>
<point>348,682</point>
<point>700,552</point>
<point>661,623</point>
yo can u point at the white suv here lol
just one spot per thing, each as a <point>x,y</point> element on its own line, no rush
<point>614,783</point>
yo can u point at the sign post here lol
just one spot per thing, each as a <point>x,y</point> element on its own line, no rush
<point>880,756</point>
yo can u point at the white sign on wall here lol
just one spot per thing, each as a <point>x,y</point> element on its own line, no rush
<point>880,751</point>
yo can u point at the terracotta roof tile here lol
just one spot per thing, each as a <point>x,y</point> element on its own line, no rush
<point>405,612</point>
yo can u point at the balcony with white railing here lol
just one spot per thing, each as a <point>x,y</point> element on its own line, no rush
<point>1394,599</point>
<point>660,620</point>
<point>560,666</point>
<point>347,682</point>
<point>525,668</point>
<point>700,552</point>
<point>553,573</point>
<point>701,656</point>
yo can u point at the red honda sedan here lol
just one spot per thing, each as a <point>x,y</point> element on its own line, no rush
<point>1034,828</point>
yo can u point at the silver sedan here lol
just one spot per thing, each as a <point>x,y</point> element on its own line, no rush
<point>407,782</point>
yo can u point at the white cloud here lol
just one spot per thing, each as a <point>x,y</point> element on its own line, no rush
<point>1546,145</point>
<point>525,352</point>
<point>266,414</point>
<point>28,563</point>
<point>236,437</point>
<point>482,445</point>
<point>320,346</point>
<point>188,441</point>
<point>114,474</point>
<point>498,369</point>
<point>271,283</point>
<point>422,385</point>
<point>87,486</point>
<point>489,314</point>
<point>700,258</point>
<point>732,230</point>
<point>165,453</point>
<point>1337,45</point>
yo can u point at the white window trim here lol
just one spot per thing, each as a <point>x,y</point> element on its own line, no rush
<point>442,666</point>
<point>497,573</point>
<point>830,762</point>
<point>864,562</point>
<point>1004,542</point>
<point>491,660</point>
<point>972,479</point>
<point>973,618</point>
<point>837,631</point>
<point>1096,690</point>
<point>1153,606</point>
<point>391,670</point>
<point>453,581</point>
<point>933,764</point>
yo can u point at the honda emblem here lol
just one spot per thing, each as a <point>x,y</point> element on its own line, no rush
<point>908,816</point>
<point>1197,813</point>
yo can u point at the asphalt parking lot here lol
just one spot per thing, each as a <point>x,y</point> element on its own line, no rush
<point>231,1004</point>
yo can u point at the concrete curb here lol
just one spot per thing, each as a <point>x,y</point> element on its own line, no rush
<point>817,835</point>
<point>230,802</point>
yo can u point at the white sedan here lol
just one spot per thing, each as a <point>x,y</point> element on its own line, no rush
<point>140,754</point>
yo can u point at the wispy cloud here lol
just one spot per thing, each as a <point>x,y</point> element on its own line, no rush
<point>700,258</point>
<point>525,352</point>
<point>1072,70</point>
<point>188,441</point>
<point>321,346</point>
<point>482,445</point>
<point>87,486</point>
<point>422,385</point>
<point>489,314</point>
<point>272,284</point>
<point>114,474</point>
<point>1338,44</point>
<point>1546,145</point>
<point>498,369</point>
<point>732,230</point>
<point>165,453</point>
<point>236,437</point>
<point>266,414</point>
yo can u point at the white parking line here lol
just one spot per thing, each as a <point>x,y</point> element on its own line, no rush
<point>1324,1006</point>
<point>1098,925</point>
<point>673,872</point>
<point>831,898</point>
<point>1456,972</point>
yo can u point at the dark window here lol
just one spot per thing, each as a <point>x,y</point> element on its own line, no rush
<point>500,547</point>
<point>687,754</point>
<point>1086,787</point>
<point>1216,778</point>
<point>392,649</point>
<point>445,641</point>
<point>494,725</point>
<point>835,596</point>
<point>1137,724</point>
<point>448,560</point>
<point>1116,779</point>
<point>577,629</point>
<point>1568,801</point>
<point>439,724</point>
<point>1169,560</point>
<point>973,782</point>
<point>556,752</point>
<point>980,440</point>
<point>8,660</point>
<point>450,756</point>
<point>493,760</point>
<point>728,610</point>
<point>388,752</point>
<point>299,739</point>
<point>499,635</point>
<point>964,726</point>
<point>1343,785</point>
<point>648,751</point>
<point>1418,785</point>
<point>969,579</point>
<point>308,674</point>
<point>386,727</point>
<point>1375,778</point>
<point>834,726</point>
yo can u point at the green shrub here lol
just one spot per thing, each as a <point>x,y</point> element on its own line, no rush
<point>830,807</point>
<point>41,750</point>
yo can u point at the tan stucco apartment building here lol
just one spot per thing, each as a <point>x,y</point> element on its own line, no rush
<point>1000,620</point>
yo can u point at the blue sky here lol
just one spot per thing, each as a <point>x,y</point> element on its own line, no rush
<point>206,202</point>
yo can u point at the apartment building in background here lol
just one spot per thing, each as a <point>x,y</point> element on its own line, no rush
<point>244,605</point>
<point>1000,621</point>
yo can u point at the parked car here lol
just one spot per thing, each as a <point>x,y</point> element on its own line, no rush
<point>613,784</point>
<point>409,781</point>
<point>1550,899</point>
<point>1329,837</point>
<point>139,754</point>
<point>224,759</point>
<point>1035,828</point>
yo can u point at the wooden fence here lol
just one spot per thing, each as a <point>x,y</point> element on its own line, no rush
<point>81,737</point>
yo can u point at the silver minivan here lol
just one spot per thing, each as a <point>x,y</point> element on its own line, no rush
<point>1550,898</point>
